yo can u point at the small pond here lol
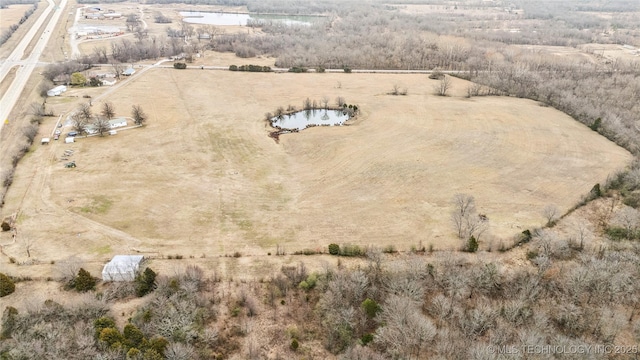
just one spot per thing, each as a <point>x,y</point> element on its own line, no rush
<point>303,119</point>
<point>228,19</point>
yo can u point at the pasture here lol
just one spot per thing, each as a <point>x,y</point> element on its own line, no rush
<point>203,178</point>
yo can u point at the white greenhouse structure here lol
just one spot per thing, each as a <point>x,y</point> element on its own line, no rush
<point>122,268</point>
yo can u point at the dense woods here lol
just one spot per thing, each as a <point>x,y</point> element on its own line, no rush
<point>410,307</point>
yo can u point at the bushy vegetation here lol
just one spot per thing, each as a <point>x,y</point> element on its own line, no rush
<point>179,65</point>
<point>83,282</point>
<point>420,307</point>
<point>7,287</point>
<point>51,330</point>
<point>161,19</point>
<point>145,282</point>
<point>250,68</point>
<point>298,69</point>
<point>346,250</point>
<point>334,249</point>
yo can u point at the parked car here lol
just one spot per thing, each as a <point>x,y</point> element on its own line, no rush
<point>56,136</point>
<point>58,132</point>
<point>60,125</point>
<point>73,133</point>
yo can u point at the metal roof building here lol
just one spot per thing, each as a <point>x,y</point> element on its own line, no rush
<point>122,268</point>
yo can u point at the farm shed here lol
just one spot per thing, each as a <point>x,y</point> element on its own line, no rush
<point>56,91</point>
<point>129,72</point>
<point>45,141</point>
<point>117,122</point>
<point>69,140</point>
<point>122,268</point>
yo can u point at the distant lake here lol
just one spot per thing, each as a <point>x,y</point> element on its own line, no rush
<point>229,19</point>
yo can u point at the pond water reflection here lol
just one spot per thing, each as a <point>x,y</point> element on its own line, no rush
<point>303,119</point>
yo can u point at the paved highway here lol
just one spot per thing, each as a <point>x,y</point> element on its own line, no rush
<point>26,66</point>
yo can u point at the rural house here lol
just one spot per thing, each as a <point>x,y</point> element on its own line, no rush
<point>117,122</point>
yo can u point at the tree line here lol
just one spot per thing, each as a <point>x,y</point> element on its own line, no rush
<point>7,33</point>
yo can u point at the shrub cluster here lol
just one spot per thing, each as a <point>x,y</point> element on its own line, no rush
<point>131,341</point>
<point>250,68</point>
<point>7,286</point>
<point>145,282</point>
<point>297,69</point>
<point>346,250</point>
<point>83,282</point>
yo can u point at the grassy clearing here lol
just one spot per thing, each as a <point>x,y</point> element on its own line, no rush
<point>99,205</point>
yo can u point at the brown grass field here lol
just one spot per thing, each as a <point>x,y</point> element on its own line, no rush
<point>12,14</point>
<point>203,178</point>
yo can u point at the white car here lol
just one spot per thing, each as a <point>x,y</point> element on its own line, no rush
<point>58,132</point>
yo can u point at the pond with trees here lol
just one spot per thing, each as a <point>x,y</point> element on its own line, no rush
<point>307,118</point>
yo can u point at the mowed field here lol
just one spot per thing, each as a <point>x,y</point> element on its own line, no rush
<point>203,178</point>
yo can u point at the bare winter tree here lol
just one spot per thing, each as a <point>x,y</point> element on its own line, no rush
<point>28,243</point>
<point>108,110</point>
<point>340,101</point>
<point>132,22</point>
<point>629,218</point>
<point>78,122</point>
<point>37,109</point>
<point>117,68</point>
<point>406,332</point>
<point>69,267</point>
<point>179,351</point>
<point>463,207</point>
<point>583,232</point>
<point>101,124</point>
<point>396,90</point>
<point>474,90</point>
<point>306,104</point>
<point>100,54</point>
<point>85,111</point>
<point>443,86</point>
<point>325,101</point>
<point>139,117</point>
<point>30,131</point>
<point>551,213</point>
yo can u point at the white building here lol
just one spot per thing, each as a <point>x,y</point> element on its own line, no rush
<point>69,140</point>
<point>122,268</point>
<point>129,72</point>
<point>117,122</point>
<point>112,15</point>
<point>90,129</point>
<point>56,91</point>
